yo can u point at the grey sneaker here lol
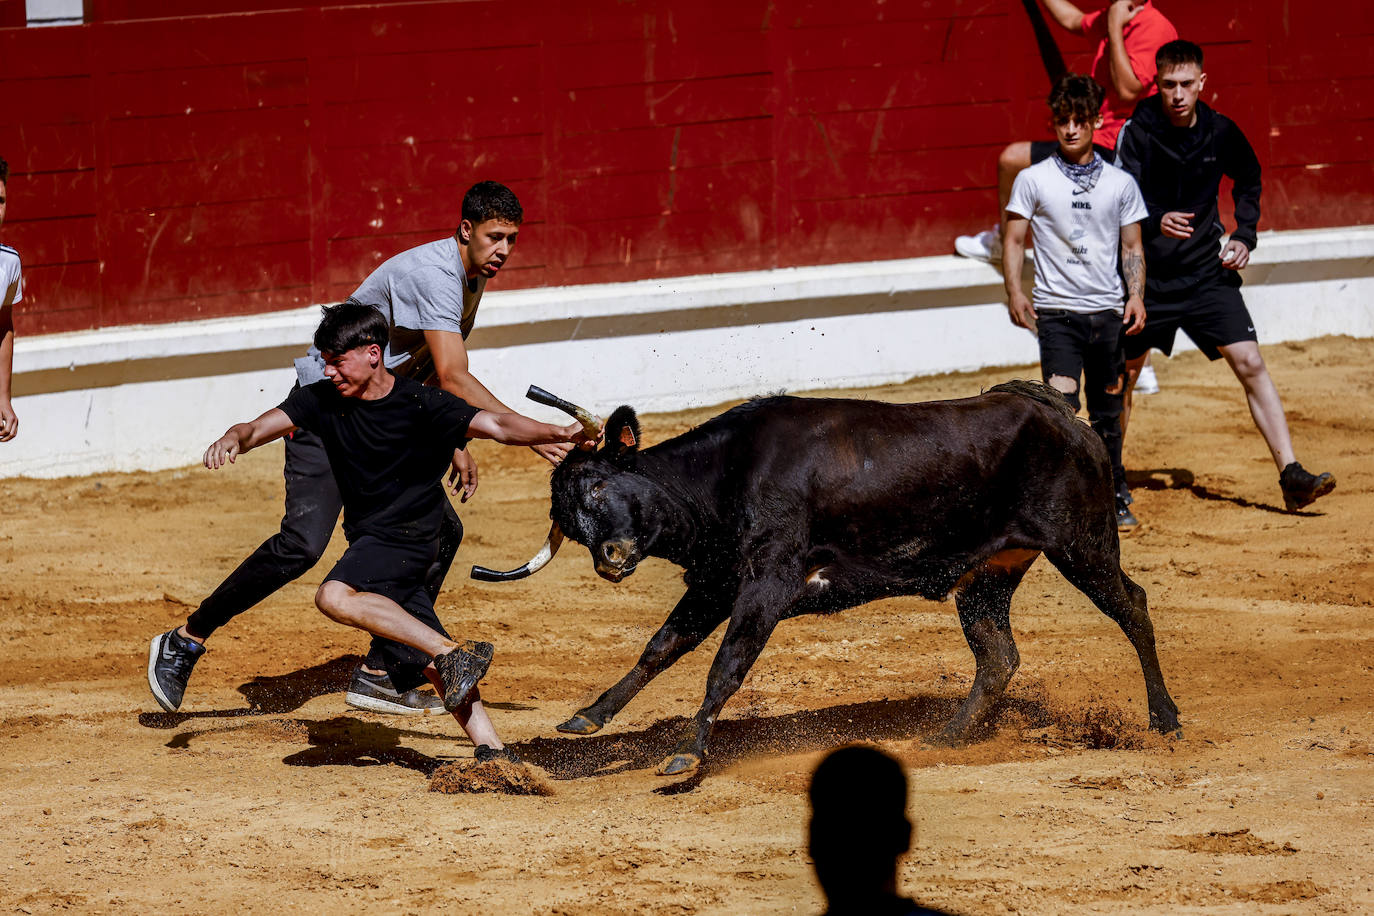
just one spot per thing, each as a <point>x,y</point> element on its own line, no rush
<point>375,693</point>
<point>461,669</point>
<point>1301,488</point>
<point>171,657</point>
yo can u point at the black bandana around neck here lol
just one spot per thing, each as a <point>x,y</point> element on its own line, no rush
<point>1085,176</point>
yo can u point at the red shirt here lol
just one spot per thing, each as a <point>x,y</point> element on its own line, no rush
<point>1144,35</point>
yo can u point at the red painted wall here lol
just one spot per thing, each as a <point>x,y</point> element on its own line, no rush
<point>237,162</point>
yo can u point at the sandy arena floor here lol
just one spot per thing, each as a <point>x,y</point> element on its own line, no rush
<point>267,793</point>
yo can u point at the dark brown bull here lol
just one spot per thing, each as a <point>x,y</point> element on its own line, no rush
<point>786,506</point>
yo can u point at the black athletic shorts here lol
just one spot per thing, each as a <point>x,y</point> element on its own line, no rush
<point>394,570</point>
<point>1044,149</point>
<point>1213,314</point>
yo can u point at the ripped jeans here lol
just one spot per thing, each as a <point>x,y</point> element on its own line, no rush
<point>1088,344</point>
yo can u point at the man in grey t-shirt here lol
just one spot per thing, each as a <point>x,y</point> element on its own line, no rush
<point>430,296</point>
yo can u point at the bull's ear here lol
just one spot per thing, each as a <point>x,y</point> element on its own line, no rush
<point>622,431</point>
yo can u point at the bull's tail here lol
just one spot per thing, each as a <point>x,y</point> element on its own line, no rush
<point>1037,391</point>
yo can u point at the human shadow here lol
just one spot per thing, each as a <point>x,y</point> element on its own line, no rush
<point>340,741</point>
<point>1184,479</point>
<point>348,741</point>
<point>270,695</point>
<point>920,717</point>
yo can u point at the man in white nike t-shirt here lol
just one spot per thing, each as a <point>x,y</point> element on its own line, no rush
<point>1085,217</point>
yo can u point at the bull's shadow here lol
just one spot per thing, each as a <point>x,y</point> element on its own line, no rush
<point>271,695</point>
<point>1184,479</point>
<point>920,717</point>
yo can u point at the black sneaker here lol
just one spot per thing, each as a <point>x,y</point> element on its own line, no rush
<point>1125,518</point>
<point>486,752</point>
<point>461,669</point>
<point>1301,488</point>
<point>375,693</point>
<point>171,657</point>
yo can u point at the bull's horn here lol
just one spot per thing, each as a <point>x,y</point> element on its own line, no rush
<point>591,423</point>
<point>539,561</point>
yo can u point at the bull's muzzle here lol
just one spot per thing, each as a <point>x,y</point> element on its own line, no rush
<point>614,560</point>
<point>591,424</point>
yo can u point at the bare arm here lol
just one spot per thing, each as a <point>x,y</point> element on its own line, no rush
<point>450,355</point>
<point>9,421</point>
<point>1128,86</point>
<point>513,429</point>
<point>1013,257</point>
<point>1065,13</point>
<point>244,437</point>
<point>1133,269</point>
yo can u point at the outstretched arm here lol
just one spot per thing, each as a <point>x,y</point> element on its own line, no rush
<point>1133,269</point>
<point>243,437</point>
<point>1065,13</point>
<point>450,355</point>
<point>513,429</point>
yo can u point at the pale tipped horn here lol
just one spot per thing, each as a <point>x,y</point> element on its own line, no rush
<point>591,423</point>
<point>538,562</point>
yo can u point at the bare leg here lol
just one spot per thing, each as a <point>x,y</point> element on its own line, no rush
<point>1265,407</point>
<point>471,716</point>
<point>379,616</point>
<point>1133,367</point>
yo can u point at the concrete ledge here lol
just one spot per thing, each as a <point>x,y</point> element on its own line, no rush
<point>150,397</point>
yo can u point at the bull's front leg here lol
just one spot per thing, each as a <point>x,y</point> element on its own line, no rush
<point>758,608</point>
<point>697,613</point>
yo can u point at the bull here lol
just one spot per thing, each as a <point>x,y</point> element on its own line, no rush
<point>785,506</point>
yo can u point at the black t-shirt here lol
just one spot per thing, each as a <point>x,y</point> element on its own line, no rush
<point>387,455</point>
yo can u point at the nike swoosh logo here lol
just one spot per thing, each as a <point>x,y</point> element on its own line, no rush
<point>1077,191</point>
<point>167,652</point>
<point>1077,234</point>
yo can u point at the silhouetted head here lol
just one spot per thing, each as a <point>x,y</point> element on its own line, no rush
<point>859,826</point>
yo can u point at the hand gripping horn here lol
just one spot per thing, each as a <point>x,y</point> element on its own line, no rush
<point>591,424</point>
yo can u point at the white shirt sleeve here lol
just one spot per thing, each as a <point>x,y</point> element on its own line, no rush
<point>1022,201</point>
<point>1133,208</point>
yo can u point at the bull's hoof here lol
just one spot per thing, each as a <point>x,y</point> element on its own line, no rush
<point>949,737</point>
<point>579,725</point>
<point>679,765</point>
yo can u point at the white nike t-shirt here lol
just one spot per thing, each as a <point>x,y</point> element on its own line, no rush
<point>11,277</point>
<point>1077,235</point>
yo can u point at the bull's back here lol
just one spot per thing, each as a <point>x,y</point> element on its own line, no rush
<point>878,474</point>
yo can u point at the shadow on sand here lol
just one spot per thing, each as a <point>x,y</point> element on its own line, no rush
<point>271,695</point>
<point>1184,479</point>
<point>916,718</point>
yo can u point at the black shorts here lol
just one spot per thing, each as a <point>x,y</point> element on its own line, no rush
<point>1213,314</point>
<point>1044,149</point>
<point>398,571</point>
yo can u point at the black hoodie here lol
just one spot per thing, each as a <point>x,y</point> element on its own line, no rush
<point>1180,168</point>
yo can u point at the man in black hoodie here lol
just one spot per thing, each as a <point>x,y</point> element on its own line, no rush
<point>1178,149</point>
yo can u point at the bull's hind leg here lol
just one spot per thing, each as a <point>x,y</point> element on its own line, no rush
<point>984,603</point>
<point>1101,578</point>
<point>698,612</point>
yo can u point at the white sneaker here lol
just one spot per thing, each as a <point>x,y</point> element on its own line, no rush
<point>1146,383</point>
<point>985,246</point>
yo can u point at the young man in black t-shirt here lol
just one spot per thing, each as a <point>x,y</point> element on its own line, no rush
<point>389,440</point>
<point>1179,150</point>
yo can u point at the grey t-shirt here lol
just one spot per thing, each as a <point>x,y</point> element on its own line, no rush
<point>421,289</point>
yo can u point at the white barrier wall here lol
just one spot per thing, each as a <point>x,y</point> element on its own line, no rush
<point>152,397</point>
